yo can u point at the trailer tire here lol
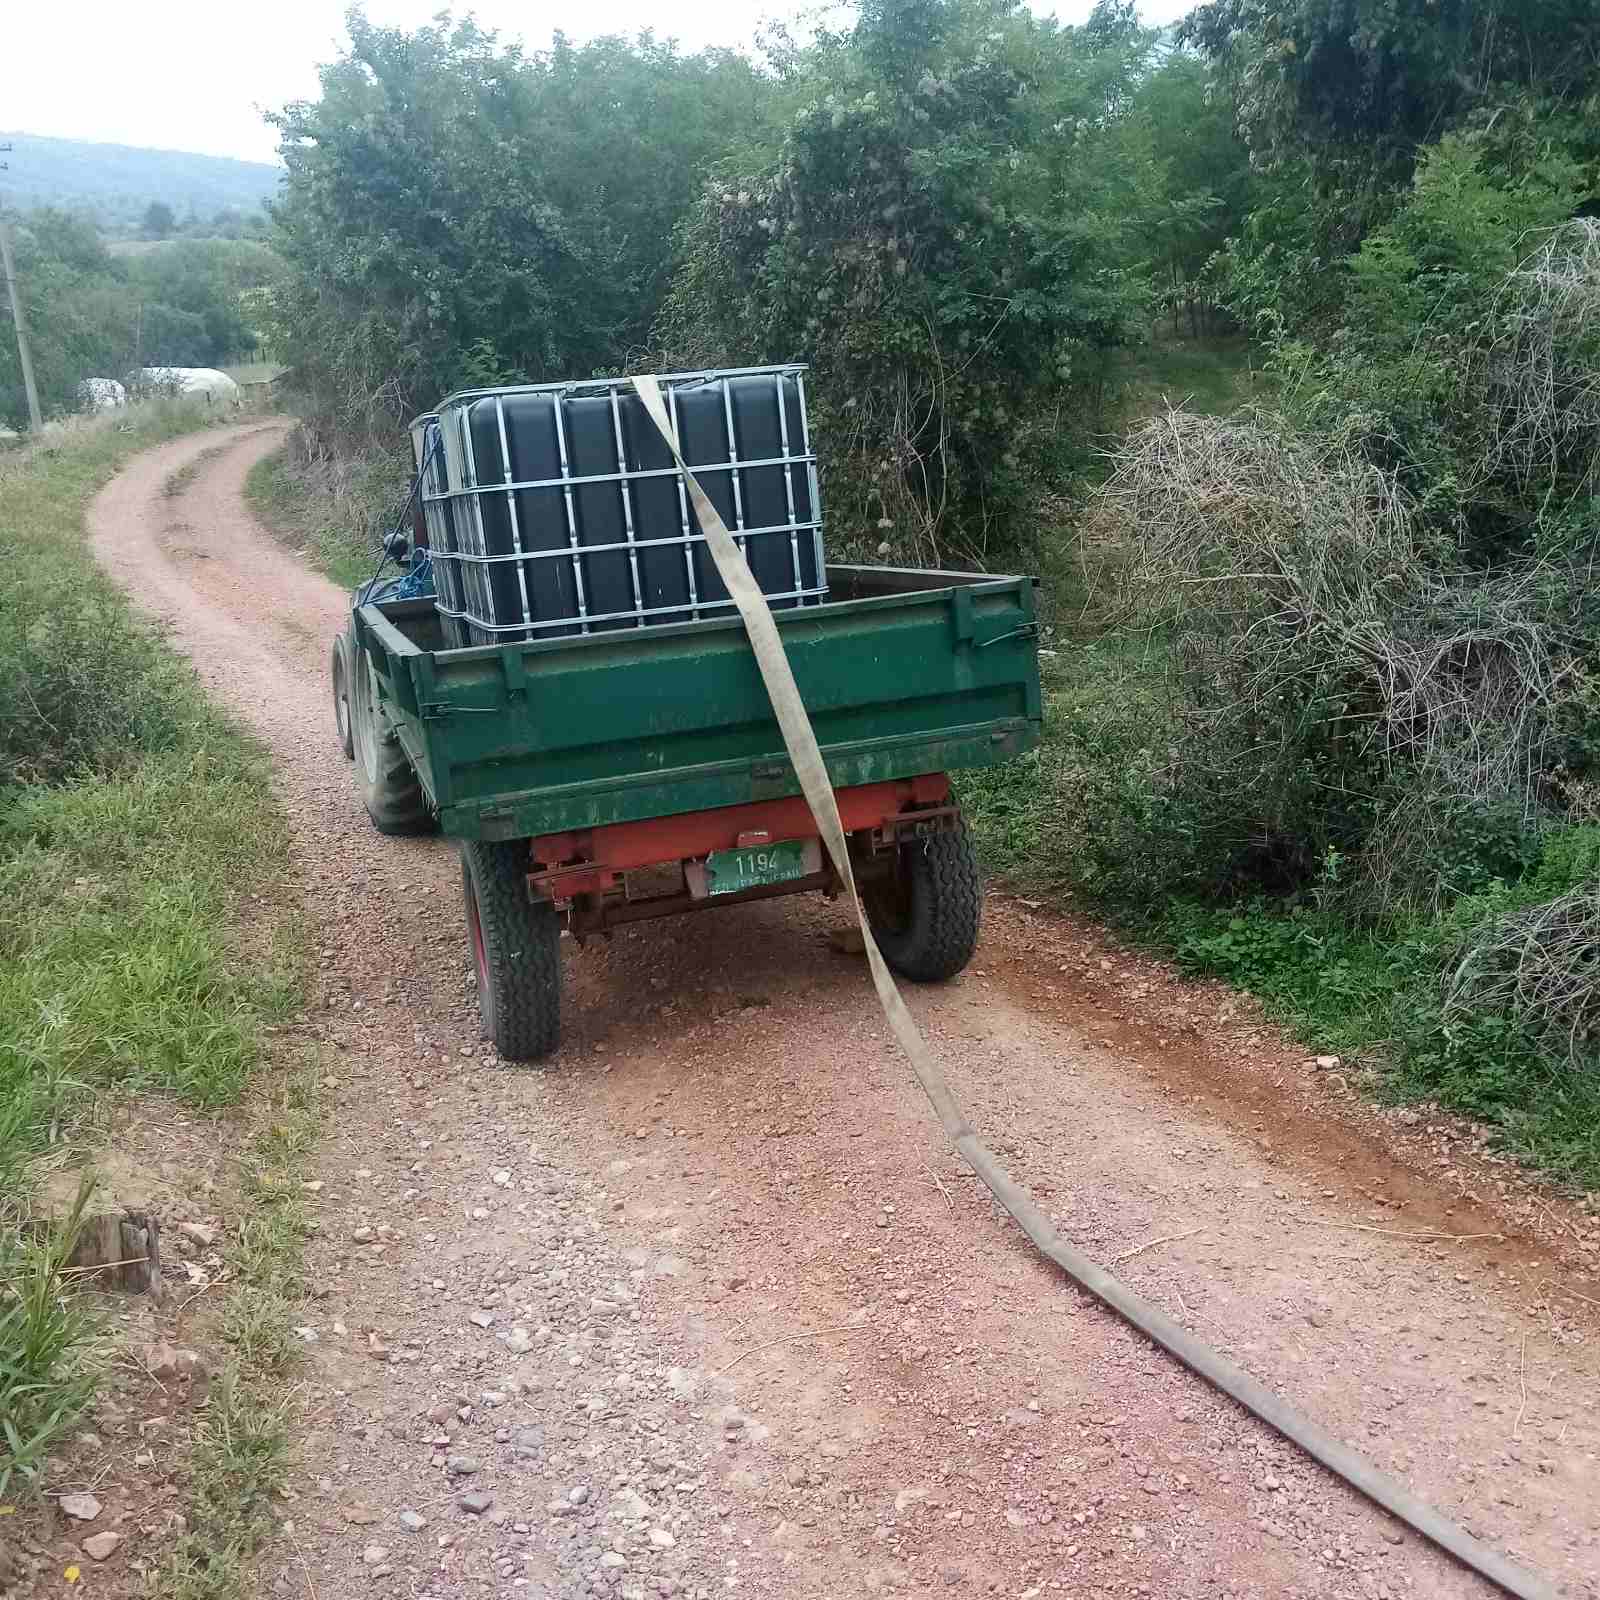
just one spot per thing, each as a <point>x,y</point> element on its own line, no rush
<point>340,672</point>
<point>925,916</point>
<point>515,943</point>
<point>390,787</point>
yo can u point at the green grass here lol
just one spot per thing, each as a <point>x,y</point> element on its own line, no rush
<point>237,1466</point>
<point>1374,998</point>
<point>1084,819</point>
<point>47,1345</point>
<point>1211,375</point>
<point>133,819</point>
<point>329,515</point>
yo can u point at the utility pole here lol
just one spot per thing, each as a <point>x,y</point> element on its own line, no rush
<point>17,318</point>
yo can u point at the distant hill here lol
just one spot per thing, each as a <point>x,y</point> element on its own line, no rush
<point>115,182</point>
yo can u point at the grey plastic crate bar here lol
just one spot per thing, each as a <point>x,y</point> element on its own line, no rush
<point>710,607</point>
<point>634,544</point>
<point>607,385</point>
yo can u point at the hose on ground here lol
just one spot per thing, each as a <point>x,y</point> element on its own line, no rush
<point>806,757</point>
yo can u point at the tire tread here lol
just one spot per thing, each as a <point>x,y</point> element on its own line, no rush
<point>521,947</point>
<point>946,911</point>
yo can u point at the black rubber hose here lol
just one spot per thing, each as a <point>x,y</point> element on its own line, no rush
<point>800,740</point>
<point>1260,1401</point>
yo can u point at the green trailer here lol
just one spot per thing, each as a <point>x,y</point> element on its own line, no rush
<point>613,776</point>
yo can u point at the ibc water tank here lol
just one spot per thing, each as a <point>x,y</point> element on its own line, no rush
<point>556,509</point>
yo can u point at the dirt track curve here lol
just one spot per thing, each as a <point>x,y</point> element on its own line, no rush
<point>563,1291</point>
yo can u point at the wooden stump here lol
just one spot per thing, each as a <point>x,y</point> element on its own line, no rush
<point>120,1251</point>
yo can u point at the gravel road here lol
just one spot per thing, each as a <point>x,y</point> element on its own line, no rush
<point>705,1306</point>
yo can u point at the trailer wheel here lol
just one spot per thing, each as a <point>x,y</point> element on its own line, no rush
<point>516,947</point>
<point>340,670</point>
<point>389,784</point>
<point>925,914</point>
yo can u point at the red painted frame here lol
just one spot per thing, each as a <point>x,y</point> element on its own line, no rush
<point>590,860</point>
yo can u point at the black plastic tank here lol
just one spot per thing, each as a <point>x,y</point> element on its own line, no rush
<point>561,512</point>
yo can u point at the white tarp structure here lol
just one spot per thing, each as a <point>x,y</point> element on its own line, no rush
<point>206,382</point>
<point>101,394</point>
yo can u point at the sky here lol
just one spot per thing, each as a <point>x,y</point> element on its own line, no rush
<point>195,74</point>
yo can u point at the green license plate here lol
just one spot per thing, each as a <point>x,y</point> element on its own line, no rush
<point>728,871</point>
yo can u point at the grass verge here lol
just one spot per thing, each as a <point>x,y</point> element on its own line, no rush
<point>1088,818</point>
<point>329,512</point>
<point>1212,376</point>
<point>134,821</point>
<point>236,1466</point>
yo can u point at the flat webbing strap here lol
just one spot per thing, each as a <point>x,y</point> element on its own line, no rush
<point>805,755</point>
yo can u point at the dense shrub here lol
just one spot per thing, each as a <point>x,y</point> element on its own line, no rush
<point>457,213</point>
<point>946,232</point>
<point>80,687</point>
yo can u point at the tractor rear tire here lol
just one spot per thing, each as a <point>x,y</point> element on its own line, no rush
<point>515,941</point>
<point>340,671</point>
<point>925,915</point>
<point>390,786</point>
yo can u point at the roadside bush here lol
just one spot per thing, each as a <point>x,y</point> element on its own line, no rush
<point>81,686</point>
<point>1458,348</point>
<point>1088,811</point>
<point>1338,681</point>
<point>1528,948</point>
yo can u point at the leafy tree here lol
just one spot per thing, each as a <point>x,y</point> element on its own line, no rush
<point>92,315</point>
<point>1361,86</point>
<point>1202,168</point>
<point>159,220</point>
<point>203,284</point>
<point>445,192</point>
<point>943,231</point>
<point>79,324</point>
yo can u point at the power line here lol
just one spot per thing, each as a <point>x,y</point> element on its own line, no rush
<point>18,321</point>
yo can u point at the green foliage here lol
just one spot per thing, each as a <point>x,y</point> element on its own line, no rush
<point>1408,367</point>
<point>202,300</point>
<point>1343,989</point>
<point>45,1338</point>
<point>1090,811</point>
<point>81,687</point>
<point>91,314</point>
<point>944,231</point>
<point>159,220</point>
<point>131,818</point>
<point>453,208</point>
<point>1360,86</point>
<point>1210,376</point>
<point>1205,190</point>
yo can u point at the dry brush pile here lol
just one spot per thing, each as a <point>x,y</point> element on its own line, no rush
<point>1355,708</point>
<point>1310,617</point>
<point>1542,364</point>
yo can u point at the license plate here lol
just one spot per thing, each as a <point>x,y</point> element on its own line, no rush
<point>729,871</point>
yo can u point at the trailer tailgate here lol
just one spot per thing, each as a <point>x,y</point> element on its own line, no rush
<point>513,740</point>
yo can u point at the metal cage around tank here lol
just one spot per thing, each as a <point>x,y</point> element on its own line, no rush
<point>557,509</point>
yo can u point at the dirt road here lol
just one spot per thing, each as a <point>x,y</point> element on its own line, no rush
<point>579,1293</point>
